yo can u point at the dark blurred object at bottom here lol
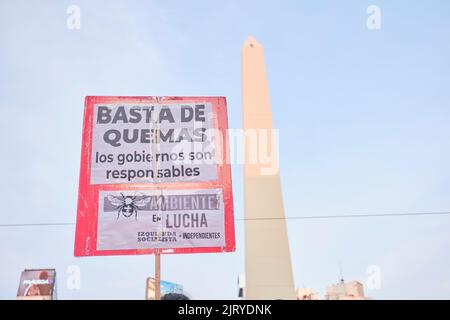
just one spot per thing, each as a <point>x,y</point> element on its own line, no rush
<point>174,296</point>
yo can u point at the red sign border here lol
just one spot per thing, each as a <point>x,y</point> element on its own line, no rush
<point>87,211</point>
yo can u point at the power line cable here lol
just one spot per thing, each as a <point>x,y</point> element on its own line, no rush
<point>342,216</point>
<point>37,224</point>
<point>355,216</point>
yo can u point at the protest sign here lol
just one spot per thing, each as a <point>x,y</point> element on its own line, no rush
<point>154,175</point>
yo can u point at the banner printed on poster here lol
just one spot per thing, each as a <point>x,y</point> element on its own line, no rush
<point>160,219</point>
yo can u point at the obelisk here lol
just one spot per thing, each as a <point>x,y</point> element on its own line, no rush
<point>268,269</point>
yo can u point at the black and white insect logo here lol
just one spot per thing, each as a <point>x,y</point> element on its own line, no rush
<point>127,206</point>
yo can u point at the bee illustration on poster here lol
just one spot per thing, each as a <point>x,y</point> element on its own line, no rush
<point>128,206</point>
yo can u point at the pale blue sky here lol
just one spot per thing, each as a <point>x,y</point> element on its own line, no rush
<point>363,118</point>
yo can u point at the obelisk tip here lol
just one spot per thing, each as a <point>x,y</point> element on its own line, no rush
<point>251,42</point>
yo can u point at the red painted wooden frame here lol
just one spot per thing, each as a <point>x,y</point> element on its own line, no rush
<point>87,212</point>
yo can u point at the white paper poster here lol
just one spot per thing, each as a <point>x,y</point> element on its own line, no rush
<point>148,143</point>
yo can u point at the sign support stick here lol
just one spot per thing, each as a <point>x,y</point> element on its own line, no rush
<point>157,275</point>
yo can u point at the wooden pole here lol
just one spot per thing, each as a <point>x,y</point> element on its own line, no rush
<point>157,275</point>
